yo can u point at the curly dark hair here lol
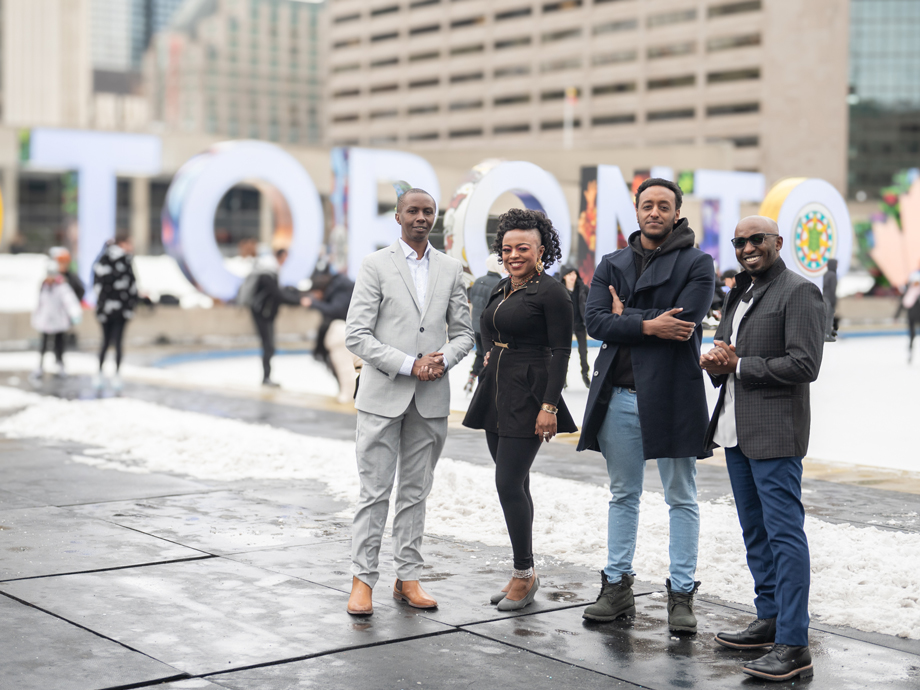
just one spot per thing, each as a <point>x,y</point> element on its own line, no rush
<point>526,219</point>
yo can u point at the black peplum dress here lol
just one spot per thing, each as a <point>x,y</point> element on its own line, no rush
<point>530,333</point>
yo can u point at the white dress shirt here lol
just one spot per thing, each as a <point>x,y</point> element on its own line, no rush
<point>418,269</point>
<point>726,429</point>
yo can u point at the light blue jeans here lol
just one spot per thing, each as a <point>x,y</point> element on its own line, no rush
<point>620,439</point>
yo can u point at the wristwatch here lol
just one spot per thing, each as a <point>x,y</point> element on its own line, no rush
<point>546,407</point>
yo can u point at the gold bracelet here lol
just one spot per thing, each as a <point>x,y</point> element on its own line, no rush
<point>546,407</point>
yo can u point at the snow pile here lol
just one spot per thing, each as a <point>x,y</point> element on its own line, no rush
<point>13,398</point>
<point>861,577</point>
<point>21,276</point>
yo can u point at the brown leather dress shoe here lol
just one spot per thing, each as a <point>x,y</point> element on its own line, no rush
<point>360,602</point>
<point>412,593</point>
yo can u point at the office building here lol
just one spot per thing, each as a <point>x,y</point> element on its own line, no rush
<point>768,76</point>
<point>884,93</point>
<point>45,71</point>
<point>239,68</point>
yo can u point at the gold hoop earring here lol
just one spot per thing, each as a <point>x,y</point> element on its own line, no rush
<point>539,265</point>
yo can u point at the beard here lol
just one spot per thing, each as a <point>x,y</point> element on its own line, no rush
<point>659,234</point>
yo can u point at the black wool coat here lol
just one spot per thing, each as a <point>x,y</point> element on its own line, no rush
<point>669,382</point>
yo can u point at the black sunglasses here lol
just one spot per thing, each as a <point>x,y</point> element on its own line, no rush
<point>755,239</point>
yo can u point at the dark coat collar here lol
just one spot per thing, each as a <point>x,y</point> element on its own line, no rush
<point>657,273</point>
<point>743,280</point>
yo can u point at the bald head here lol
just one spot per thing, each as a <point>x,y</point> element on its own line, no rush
<point>759,224</point>
<point>760,244</point>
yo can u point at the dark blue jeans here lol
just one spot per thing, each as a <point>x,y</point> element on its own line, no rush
<point>768,496</point>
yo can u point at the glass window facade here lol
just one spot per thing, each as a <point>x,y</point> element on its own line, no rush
<point>884,92</point>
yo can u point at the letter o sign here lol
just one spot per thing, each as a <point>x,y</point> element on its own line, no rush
<point>466,217</point>
<point>196,191</point>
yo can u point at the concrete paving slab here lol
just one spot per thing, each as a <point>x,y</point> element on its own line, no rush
<point>48,475</point>
<point>643,651</point>
<point>215,614</point>
<point>11,501</point>
<point>220,522</point>
<point>53,541</point>
<point>40,652</point>
<point>460,576</point>
<point>190,684</point>
<point>457,660</point>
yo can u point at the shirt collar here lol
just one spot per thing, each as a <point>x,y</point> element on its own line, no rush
<point>410,252</point>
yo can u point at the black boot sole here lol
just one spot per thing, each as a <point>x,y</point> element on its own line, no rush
<point>804,672</point>
<point>735,645</point>
<point>631,611</point>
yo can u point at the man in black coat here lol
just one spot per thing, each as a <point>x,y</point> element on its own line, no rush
<point>647,399</point>
<point>767,350</point>
<point>829,290</point>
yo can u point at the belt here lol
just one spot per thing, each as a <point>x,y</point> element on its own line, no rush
<point>503,346</point>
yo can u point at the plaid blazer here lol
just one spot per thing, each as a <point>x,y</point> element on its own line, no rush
<point>780,342</point>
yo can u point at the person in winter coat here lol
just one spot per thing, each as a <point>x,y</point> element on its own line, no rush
<point>58,310</point>
<point>480,291</point>
<point>267,298</point>
<point>330,295</point>
<point>647,399</point>
<point>829,290</point>
<point>571,278</point>
<point>63,259</point>
<point>116,296</point>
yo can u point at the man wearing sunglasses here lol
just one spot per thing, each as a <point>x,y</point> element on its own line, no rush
<point>767,351</point>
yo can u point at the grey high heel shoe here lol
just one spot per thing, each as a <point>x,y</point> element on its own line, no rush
<point>509,605</point>
<point>497,597</point>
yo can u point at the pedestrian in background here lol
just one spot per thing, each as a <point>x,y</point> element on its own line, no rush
<point>116,296</point>
<point>264,297</point>
<point>63,259</point>
<point>578,291</point>
<point>480,291</point>
<point>829,292</point>
<point>330,295</point>
<point>57,312</point>
<point>768,350</point>
<point>527,325</point>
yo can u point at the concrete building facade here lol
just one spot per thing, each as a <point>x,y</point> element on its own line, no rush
<point>239,68</point>
<point>45,76</point>
<point>768,76</point>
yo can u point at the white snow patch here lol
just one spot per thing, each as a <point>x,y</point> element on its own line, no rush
<point>877,591</point>
<point>13,398</point>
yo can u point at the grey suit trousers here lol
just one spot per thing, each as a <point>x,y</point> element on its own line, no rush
<point>412,445</point>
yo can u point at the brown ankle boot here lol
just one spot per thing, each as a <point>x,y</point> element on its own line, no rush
<point>411,592</point>
<point>360,602</point>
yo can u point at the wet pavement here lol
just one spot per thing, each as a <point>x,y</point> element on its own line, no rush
<point>113,580</point>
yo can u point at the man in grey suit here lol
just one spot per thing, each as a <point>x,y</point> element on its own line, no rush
<point>768,350</point>
<point>409,321</point>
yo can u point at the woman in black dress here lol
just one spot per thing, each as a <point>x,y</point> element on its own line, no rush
<point>528,324</point>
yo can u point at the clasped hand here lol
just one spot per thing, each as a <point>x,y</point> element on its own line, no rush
<point>430,367</point>
<point>720,360</point>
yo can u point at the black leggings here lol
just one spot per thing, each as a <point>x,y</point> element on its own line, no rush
<point>113,331</point>
<point>58,345</point>
<point>513,458</point>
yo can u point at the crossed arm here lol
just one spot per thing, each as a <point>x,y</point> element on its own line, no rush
<point>609,320</point>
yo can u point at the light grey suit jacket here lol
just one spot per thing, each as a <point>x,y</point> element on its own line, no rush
<point>385,323</point>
